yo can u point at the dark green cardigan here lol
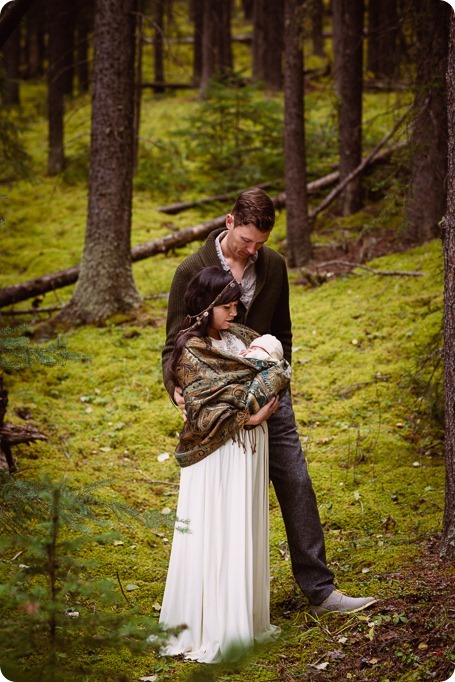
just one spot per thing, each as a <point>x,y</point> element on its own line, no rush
<point>269,310</point>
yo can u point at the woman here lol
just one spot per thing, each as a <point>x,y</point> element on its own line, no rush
<point>218,578</point>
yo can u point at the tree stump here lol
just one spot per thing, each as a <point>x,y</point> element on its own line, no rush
<point>13,434</point>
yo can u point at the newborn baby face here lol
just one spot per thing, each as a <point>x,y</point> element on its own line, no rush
<point>255,352</point>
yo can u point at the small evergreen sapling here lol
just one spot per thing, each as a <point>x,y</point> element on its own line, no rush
<point>55,617</point>
<point>18,352</point>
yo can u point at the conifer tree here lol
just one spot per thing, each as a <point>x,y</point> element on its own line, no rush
<point>52,606</point>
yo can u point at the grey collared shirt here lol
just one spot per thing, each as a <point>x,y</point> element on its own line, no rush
<point>249,273</point>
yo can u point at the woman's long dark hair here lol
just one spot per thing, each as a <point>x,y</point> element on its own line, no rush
<point>200,293</point>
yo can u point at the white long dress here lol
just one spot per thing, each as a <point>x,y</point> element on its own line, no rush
<point>218,582</point>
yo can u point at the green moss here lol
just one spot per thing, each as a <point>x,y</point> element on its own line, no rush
<point>378,489</point>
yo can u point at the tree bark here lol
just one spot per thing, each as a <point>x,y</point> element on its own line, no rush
<point>84,20</point>
<point>448,530</point>
<point>225,57</point>
<point>382,40</point>
<point>427,195</point>
<point>56,87</point>
<point>138,80</point>
<point>34,40</point>
<point>268,45</point>
<point>216,42</point>
<point>317,26</point>
<point>348,16</point>
<point>11,57</point>
<point>158,42</point>
<point>297,224</point>
<point>105,285</point>
<point>68,26</point>
<point>10,17</point>
<point>197,12</point>
<point>247,6</point>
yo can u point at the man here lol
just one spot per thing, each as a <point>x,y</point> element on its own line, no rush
<point>240,249</point>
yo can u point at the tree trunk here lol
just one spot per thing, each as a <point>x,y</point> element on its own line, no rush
<point>247,6</point>
<point>427,196</point>
<point>337,22</point>
<point>317,26</point>
<point>297,224</point>
<point>197,14</point>
<point>216,42</point>
<point>34,40</point>
<point>68,26</point>
<point>84,21</point>
<point>56,87</point>
<point>225,59</point>
<point>11,57</point>
<point>138,79</point>
<point>105,285</point>
<point>268,30</point>
<point>448,530</point>
<point>382,42</point>
<point>10,17</point>
<point>348,15</point>
<point>158,42</point>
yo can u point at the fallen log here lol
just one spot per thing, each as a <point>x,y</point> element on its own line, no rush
<point>162,85</point>
<point>14,434</point>
<point>62,278</point>
<point>180,206</point>
<point>39,285</point>
<point>189,40</point>
<point>373,155</point>
<point>313,187</point>
<point>384,273</point>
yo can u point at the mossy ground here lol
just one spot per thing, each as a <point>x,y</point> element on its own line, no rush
<point>364,412</point>
<point>367,397</point>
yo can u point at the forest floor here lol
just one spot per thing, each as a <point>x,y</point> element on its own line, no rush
<point>380,502</point>
<point>422,640</point>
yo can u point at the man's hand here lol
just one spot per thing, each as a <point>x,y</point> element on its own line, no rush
<point>180,401</point>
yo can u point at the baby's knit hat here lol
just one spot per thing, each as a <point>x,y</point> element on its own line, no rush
<point>270,344</point>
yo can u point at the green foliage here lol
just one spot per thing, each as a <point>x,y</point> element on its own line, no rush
<point>162,168</point>
<point>77,164</point>
<point>235,137</point>
<point>18,352</point>
<point>426,380</point>
<point>15,162</point>
<point>53,605</point>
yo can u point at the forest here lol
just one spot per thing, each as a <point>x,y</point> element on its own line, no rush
<point>127,130</point>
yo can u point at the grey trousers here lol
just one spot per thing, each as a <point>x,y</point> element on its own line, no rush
<point>294,490</point>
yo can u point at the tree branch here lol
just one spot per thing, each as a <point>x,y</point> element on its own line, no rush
<point>340,187</point>
<point>398,273</point>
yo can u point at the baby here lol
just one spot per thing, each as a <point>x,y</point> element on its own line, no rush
<point>266,347</point>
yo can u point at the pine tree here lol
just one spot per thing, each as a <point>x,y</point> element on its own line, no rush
<point>52,607</point>
<point>17,351</point>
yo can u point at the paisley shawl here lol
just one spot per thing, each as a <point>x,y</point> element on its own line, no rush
<point>221,392</point>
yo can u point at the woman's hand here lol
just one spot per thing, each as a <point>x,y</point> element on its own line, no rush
<point>264,413</point>
<point>179,400</point>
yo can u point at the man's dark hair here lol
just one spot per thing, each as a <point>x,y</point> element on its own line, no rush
<point>254,206</point>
